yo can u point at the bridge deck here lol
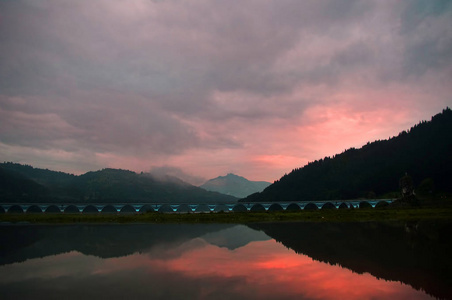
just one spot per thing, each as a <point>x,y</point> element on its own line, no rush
<point>184,207</point>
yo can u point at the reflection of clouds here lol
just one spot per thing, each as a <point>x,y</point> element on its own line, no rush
<point>50,267</point>
<point>163,252</point>
<point>279,272</point>
<point>195,270</point>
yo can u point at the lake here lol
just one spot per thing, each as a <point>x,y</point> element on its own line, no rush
<point>223,261</point>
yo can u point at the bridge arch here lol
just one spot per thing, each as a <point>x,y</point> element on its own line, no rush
<point>109,209</point>
<point>185,208</point>
<point>239,208</point>
<point>52,209</point>
<point>15,209</point>
<point>257,208</point>
<point>71,209</point>
<point>128,209</point>
<point>34,209</point>
<point>146,208</point>
<point>90,209</point>
<point>343,205</point>
<point>328,205</point>
<point>275,207</point>
<point>202,208</point>
<point>311,206</point>
<point>293,207</point>
<point>364,204</point>
<point>221,207</point>
<point>165,208</point>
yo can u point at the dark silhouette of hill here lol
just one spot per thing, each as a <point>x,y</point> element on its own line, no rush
<point>22,242</point>
<point>424,152</point>
<point>234,185</point>
<point>44,177</point>
<point>32,184</point>
<point>417,254</point>
<point>15,185</point>
<point>21,183</point>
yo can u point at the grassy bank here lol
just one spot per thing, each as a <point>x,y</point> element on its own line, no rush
<point>347,215</point>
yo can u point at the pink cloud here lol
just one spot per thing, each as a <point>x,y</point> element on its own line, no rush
<point>255,87</point>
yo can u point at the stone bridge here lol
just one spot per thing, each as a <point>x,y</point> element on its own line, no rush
<point>185,207</point>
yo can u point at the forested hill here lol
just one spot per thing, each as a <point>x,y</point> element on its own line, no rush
<point>22,183</point>
<point>424,152</point>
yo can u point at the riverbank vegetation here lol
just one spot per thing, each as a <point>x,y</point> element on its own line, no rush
<point>333,215</point>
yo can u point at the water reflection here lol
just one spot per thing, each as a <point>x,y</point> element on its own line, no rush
<point>174,262</point>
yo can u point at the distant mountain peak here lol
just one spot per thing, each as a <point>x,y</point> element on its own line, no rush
<point>234,185</point>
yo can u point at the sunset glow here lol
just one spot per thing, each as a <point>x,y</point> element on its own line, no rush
<point>256,88</point>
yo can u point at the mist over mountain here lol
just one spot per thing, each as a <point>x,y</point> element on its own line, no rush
<point>424,152</point>
<point>234,185</point>
<point>22,183</point>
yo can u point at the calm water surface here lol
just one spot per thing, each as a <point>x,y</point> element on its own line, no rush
<point>266,261</point>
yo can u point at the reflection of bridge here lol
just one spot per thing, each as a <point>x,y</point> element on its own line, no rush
<point>185,207</point>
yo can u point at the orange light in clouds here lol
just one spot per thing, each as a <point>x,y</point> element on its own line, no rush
<point>279,161</point>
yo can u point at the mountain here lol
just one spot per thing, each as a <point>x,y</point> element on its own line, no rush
<point>15,184</point>
<point>424,152</point>
<point>234,185</point>
<point>22,183</point>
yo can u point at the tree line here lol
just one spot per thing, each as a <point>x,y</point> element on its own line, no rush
<point>424,153</point>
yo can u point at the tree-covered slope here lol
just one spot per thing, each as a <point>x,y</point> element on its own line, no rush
<point>424,152</point>
<point>110,185</point>
<point>14,185</point>
<point>21,183</point>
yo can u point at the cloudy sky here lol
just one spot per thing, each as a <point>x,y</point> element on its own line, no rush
<point>207,87</point>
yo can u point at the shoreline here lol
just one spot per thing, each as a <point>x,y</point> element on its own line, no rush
<point>348,215</point>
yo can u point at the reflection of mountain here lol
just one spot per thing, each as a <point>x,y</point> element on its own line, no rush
<point>417,254</point>
<point>21,242</point>
<point>235,237</point>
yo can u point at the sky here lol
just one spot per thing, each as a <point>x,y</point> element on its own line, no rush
<point>198,89</point>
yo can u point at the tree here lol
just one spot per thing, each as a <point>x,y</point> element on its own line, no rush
<point>406,186</point>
